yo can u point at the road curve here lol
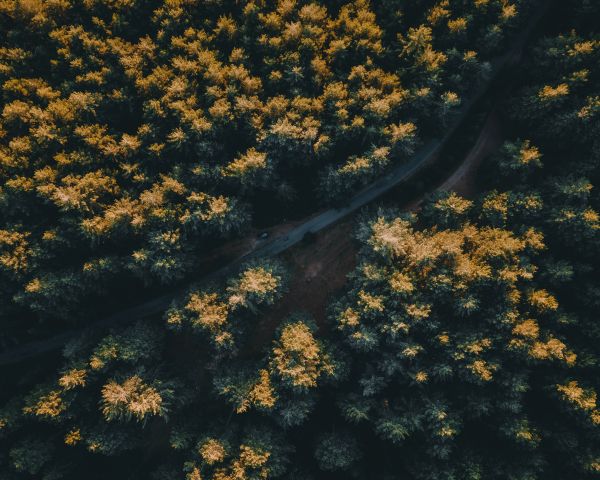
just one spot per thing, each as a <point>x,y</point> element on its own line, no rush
<point>320,221</point>
<point>489,140</point>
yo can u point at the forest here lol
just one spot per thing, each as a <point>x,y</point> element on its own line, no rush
<point>140,138</point>
<point>130,148</point>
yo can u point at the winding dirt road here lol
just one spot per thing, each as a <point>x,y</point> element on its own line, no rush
<point>319,269</point>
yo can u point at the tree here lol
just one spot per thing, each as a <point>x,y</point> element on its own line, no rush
<point>220,314</point>
<point>297,359</point>
<point>517,161</point>
<point>133,398</point>
<point>337,451</point>
<point>245,453</point>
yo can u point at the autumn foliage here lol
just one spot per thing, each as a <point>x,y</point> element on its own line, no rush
<point>137,136</point>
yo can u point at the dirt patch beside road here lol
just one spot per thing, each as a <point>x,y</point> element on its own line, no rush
<point>318,272</point>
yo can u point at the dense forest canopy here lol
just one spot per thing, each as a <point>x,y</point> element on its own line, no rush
<point>137,134</point>
<point>464,345</point>
<point>472,327</point>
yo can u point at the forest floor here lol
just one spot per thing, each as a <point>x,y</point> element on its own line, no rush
<point>320,267</point>
<point>318,271</point>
